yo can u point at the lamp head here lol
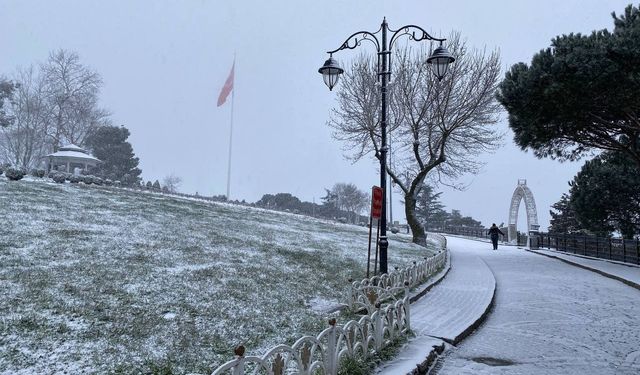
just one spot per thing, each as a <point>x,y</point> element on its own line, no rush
<point>331,71</point>
<point>440,60</point>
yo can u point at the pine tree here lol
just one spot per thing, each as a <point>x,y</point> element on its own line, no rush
<point>110,145</point>
<point>563,216</point>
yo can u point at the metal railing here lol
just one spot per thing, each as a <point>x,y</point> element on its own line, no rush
<point>618,249</point>
<point>478,232</point>
<point>387,300</point>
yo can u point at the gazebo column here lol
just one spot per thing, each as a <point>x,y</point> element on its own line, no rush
<point>68,167</point>
<point>86,168</point>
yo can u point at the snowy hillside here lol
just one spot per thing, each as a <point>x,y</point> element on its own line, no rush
<point>99,280</point>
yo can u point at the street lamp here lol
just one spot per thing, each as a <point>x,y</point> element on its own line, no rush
<point>331,71</point>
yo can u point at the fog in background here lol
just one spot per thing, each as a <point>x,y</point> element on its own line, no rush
<point>164,62</point>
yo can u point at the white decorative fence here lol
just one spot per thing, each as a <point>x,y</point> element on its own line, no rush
<point>387,301</point>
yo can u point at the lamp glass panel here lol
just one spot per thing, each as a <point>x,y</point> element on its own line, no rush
<point>330,77</point>
<point>440,66</point>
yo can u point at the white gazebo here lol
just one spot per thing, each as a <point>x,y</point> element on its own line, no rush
<point>70,159</point>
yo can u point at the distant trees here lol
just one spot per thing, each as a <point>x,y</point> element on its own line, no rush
<point>437,127</point>
<point>342,201</point>
<point>347,197</point>
<point>110,145</point>
<point>47,106</point>
<point>280,201</point>
<point>429,210</point>
<point>579,95</point>
<point>456,219</point>
<point>171,183</point>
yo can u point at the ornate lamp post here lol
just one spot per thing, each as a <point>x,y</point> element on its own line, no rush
<point>331,71</point>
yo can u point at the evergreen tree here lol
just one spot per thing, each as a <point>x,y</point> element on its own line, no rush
<point>563,216</point>
<point>429,209</point>
<point>579,95</point>
<point>605,195</point>
<point>7,89</point>
<point>110,145</point>
<point>156,185</point>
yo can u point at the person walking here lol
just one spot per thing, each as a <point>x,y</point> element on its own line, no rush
<point>494,231</point>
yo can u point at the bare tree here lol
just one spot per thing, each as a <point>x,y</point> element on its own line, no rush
<point>172,183</point>
<point>437,127</point>
<point>22,142</point>
<point>349,198</point>
<point>72,94</point>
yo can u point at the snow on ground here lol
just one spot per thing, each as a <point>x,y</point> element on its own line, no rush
<point>629,272</point>
<point>98,280</point>
<point>549,318</point>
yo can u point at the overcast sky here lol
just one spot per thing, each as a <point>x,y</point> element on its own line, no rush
<point>164,62</point>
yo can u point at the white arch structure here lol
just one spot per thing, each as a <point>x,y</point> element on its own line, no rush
<point>522,192</point>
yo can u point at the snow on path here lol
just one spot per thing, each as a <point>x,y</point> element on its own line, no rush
<point>448,309</point>
<point>549,317</point>
<point>628,272</point>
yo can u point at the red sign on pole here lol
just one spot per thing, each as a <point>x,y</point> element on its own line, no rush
<point>376,202</point>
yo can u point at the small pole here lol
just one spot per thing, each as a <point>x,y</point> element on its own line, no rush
<point>638,250</point>
<point>369,249</point>
<point>624,249</point>
<point>609,248</point>
<point>375,263</point>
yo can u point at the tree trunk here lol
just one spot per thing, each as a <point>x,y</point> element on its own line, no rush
<point>417,230</point>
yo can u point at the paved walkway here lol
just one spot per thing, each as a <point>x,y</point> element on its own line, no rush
<point>626,272</point>
<point>448,310</point>
<point>549,317</point>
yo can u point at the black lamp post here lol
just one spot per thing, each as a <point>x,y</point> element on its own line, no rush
<point>331,70</point>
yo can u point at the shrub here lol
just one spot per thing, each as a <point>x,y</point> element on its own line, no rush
<point>117,183</point>
<point>74,179</point>
<point>97,180</point>
<point>87,179</point>
<point>108,182</point>
<point>58,177</point>
<point>37,172</point>
<point>14,174</point>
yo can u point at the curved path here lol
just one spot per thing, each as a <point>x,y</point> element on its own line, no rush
<point>549,317</point>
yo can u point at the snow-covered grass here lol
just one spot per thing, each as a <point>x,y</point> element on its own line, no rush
<point>102,280</point>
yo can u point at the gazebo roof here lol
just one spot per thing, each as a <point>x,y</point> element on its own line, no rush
<point>73,151</point>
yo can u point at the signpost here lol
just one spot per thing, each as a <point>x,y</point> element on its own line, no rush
<point>376,213</point>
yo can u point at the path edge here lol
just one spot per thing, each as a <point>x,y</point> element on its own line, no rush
<point>425,366</point>
<point>605,274</point>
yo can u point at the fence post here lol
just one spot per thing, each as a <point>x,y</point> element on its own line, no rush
<point>331,365</point>
<point>638,250</point>
<point>584,251</point>
<point>597,242</point>
<point>609,248</point>
<point>624,249</point>
<point>407,305</point>
<point>378,323</point>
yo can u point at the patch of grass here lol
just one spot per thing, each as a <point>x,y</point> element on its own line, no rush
<point>132,282</point>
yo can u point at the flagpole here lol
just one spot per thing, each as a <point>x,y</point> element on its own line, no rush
<point>233,92</point>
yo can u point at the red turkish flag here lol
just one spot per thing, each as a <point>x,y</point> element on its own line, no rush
<point>227,88</point>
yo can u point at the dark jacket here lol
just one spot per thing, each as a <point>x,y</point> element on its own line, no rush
<point>494,231</point>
